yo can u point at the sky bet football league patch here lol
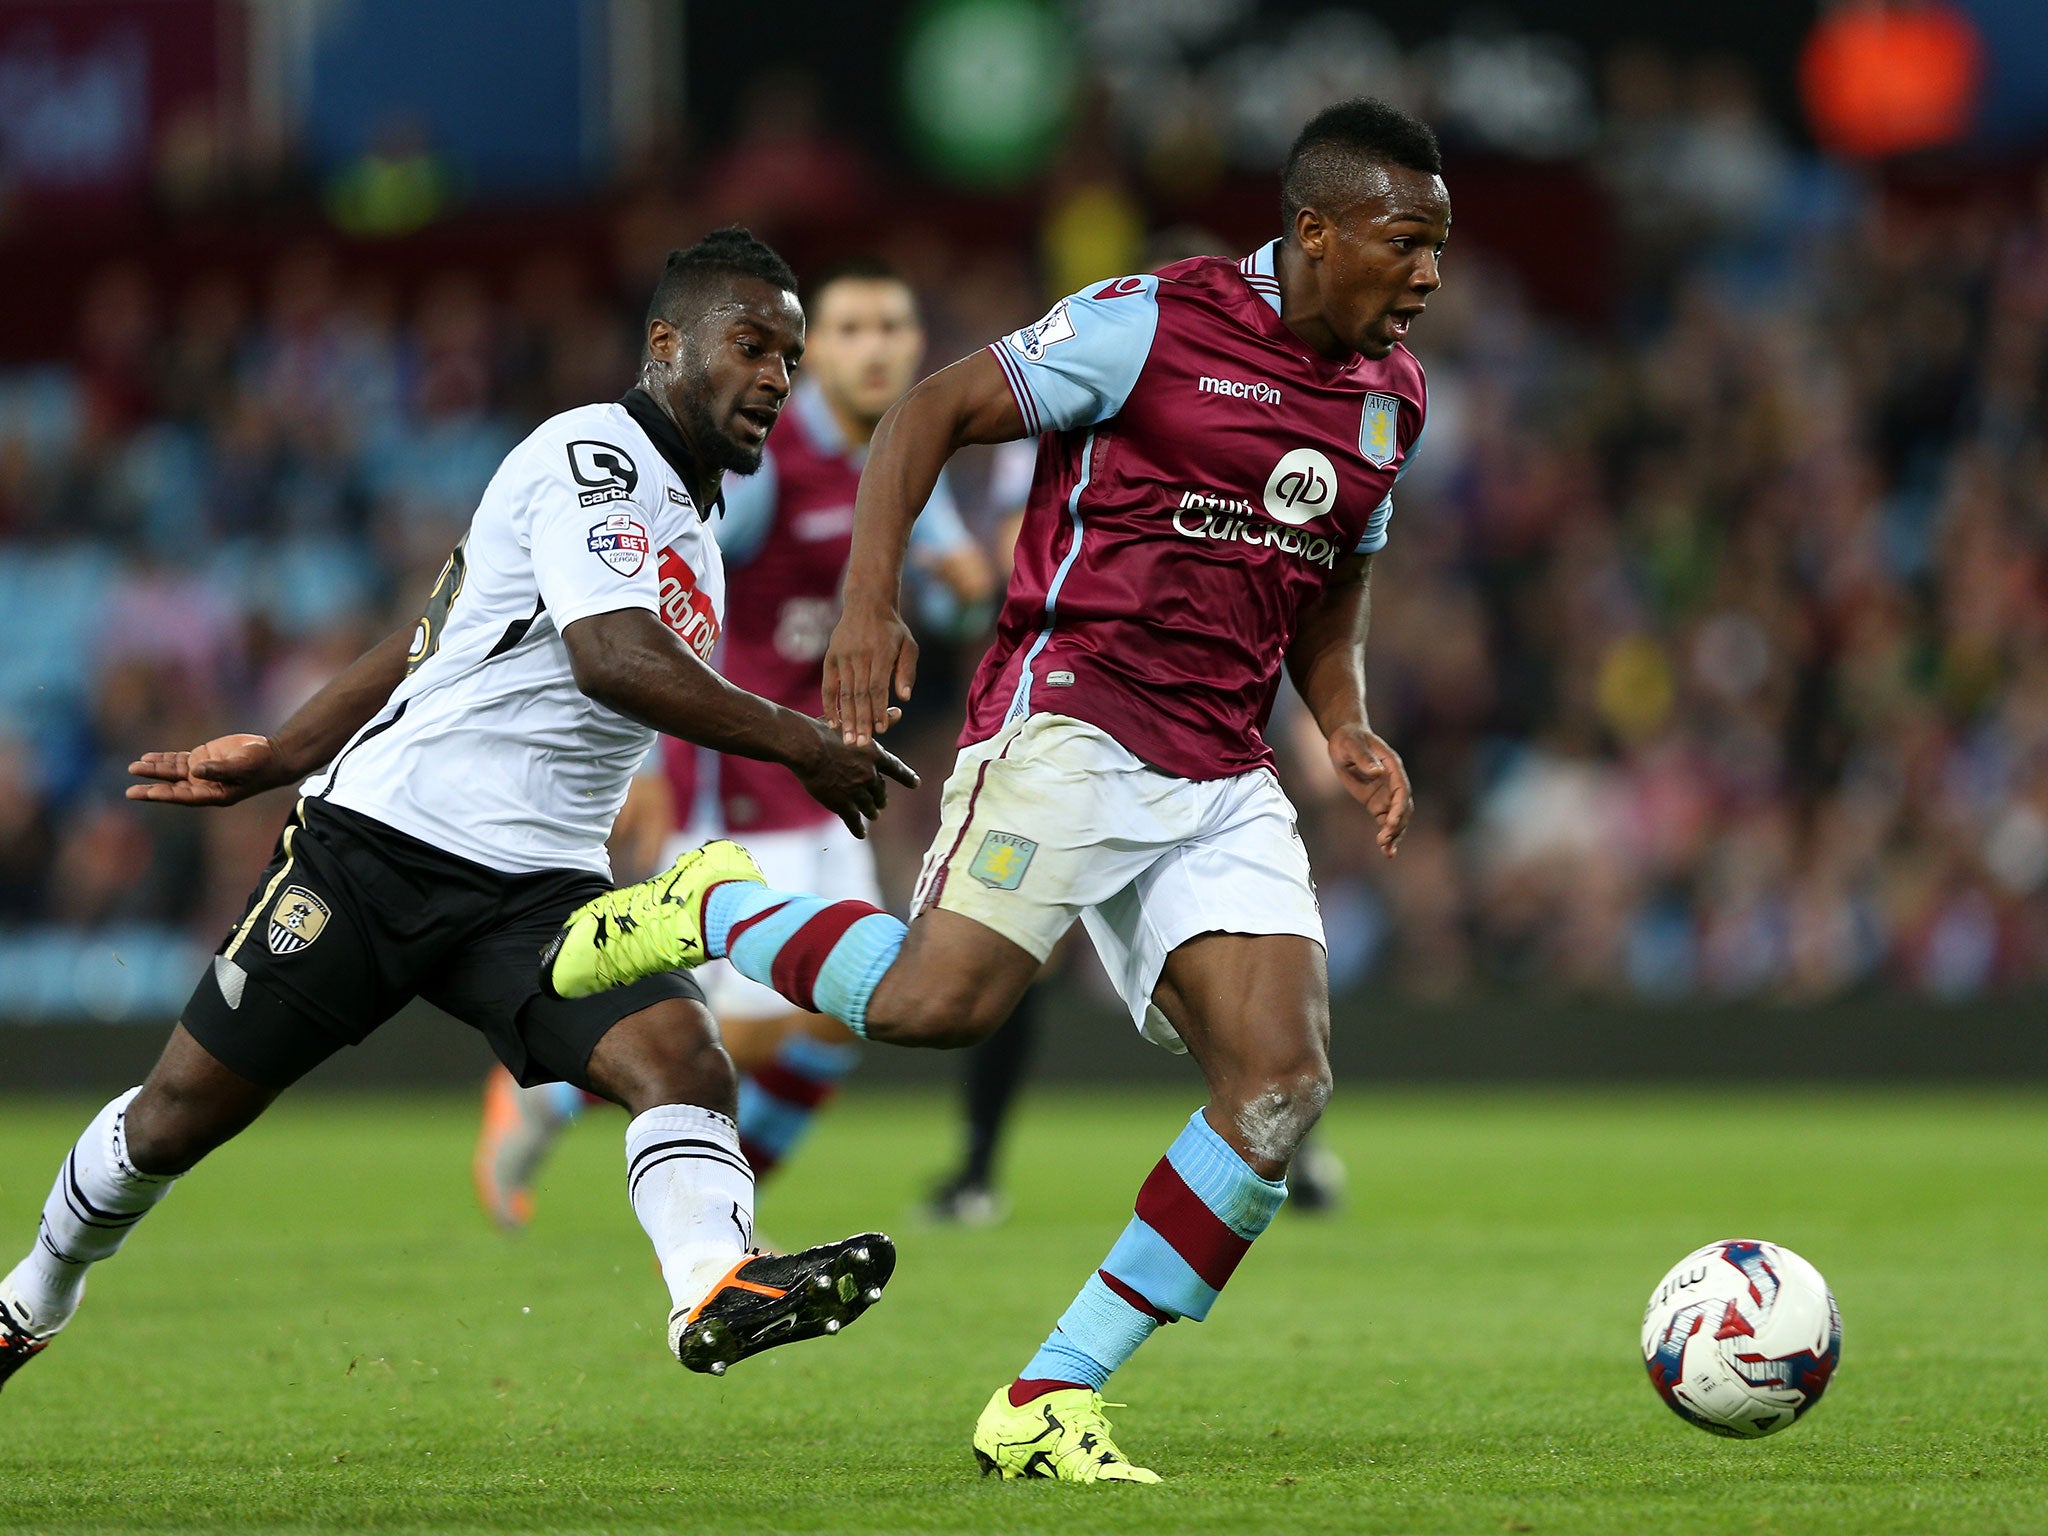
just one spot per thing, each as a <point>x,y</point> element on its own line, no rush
<point>297,920</point>
<point>1001,860</point>
<point>621,542</point>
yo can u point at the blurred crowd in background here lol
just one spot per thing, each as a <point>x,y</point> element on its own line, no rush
<point>1711,626</point>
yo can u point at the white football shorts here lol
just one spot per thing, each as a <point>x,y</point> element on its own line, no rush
<point>825,860</point>
<point>1051,818</point>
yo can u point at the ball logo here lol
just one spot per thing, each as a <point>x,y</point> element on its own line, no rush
<point>1302,487</point>
<point>608,470</point>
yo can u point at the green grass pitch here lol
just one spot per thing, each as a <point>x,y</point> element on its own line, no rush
<point>318,1333</point>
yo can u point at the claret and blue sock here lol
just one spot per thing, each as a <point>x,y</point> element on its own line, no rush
<point>825,956</point>
<point>1197,1215</point>
<point>779,1099</point>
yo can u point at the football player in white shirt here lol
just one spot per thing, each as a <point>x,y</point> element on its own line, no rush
<point>464,775</point>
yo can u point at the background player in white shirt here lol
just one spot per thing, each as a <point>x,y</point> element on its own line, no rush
<point>471,767</point>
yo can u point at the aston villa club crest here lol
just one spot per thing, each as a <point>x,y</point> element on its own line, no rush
<point>297,920</point>
<point>1376,432</point>
<point>1001,860</point>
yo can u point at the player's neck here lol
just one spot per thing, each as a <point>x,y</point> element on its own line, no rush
<point>1301,307</point>
<point>700,481</point>
<point>855,430</point>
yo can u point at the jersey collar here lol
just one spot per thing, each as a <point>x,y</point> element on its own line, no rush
<point>668,442</point>
<point>1261,272</point>
<point>815,412</point>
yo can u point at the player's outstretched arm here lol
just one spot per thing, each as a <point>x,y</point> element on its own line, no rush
<point>871,649</point>
<point>232,768</point>
<point>1327,663</point>
<point>628,660</point>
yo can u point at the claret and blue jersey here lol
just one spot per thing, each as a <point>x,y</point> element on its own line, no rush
<point>1201,476</point>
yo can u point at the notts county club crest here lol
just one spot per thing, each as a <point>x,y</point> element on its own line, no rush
<point>297,920</point>
<point>1376,431</point>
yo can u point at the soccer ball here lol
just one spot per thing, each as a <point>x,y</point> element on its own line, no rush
<point>1742,1337</point>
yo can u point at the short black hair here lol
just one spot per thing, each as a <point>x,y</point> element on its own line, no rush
<point>1319,171</point>
<point>728,252</point>
<point>862,268</point>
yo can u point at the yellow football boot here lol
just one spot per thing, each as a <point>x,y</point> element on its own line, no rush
<point>641,930</point>
<point>1062,1435</point>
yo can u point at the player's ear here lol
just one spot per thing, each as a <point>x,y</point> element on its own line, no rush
<point>663,340</point>
<point>1311,233</point>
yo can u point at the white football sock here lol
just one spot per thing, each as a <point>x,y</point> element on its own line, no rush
<point>99,1195</point>
<point>693,1192</point>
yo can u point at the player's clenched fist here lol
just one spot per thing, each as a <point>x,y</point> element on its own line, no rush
<point>1374,775</point>
<point>218,772</point>
<point>870,649</point>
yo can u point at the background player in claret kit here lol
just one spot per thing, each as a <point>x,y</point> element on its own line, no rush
<point>465,774</point>
<point>1220,447</point>
<point>785,534</point>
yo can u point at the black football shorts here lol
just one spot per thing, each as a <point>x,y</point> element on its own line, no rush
<point>353,919</point>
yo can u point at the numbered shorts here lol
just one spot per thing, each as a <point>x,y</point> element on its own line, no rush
<point>826,860</point>
<point>352,920</point>
<point>1051,818</point>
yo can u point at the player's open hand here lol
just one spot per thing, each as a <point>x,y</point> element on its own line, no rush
<point>218,772</point>
<point>1375,777</point>
<point>871,651</point>
<point>853,782</point>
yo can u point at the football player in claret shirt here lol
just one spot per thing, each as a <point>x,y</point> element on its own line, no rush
<point>785,535</point>
<point>1218,446</point>
<point>459,783</point>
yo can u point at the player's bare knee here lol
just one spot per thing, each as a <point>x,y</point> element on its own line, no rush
<point>704,1078</point>
<point>665,1055</point>
<point>1275,1112</point>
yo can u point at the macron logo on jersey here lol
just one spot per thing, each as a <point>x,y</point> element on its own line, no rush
<point>1238,389</point>
<point>684,608</point>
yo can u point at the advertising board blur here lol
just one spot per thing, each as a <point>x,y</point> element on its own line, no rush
<point>91,91</point>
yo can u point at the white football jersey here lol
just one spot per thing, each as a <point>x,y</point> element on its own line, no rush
<point>487,749</point>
